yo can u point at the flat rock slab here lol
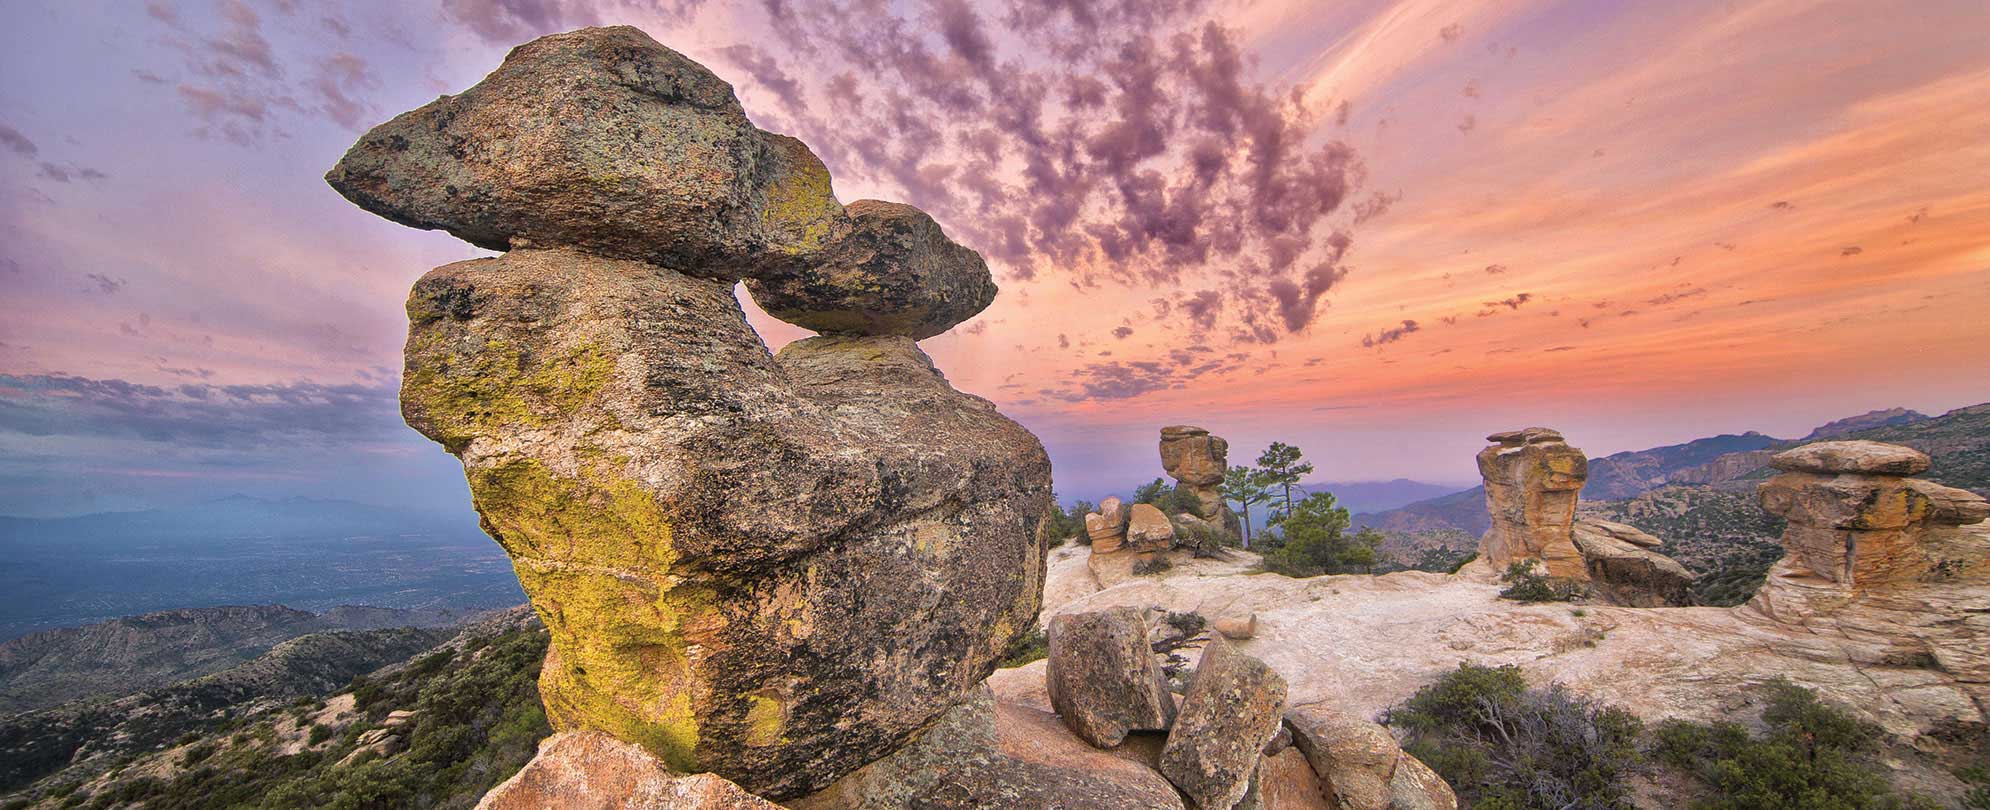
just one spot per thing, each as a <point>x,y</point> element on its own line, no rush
<point>1877,458</point>
<point>1102,678</point>
<point>1231,710</point>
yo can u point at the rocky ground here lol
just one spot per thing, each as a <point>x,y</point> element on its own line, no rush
<point>1363,644</point>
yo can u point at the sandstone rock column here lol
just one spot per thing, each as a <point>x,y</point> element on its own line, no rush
<point>774,568</point>
<point>1197,462</point>
<point>1532,477</point>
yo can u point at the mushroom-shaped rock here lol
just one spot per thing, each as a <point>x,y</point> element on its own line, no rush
<point>604,140</point>
<point>1102,677</point>
<point>589,770</point>
<point>1532,477</point>
<point>1231,710</point>
<point>889,270</point>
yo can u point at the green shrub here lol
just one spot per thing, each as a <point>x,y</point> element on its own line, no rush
<point>1810,756</point>
<point>1503,745</point>
<point>1524,584</point>
<point>319,734</point>
<point>1025,648</point>
<point>1151,566</point>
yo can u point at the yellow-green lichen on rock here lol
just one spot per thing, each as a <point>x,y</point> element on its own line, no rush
<point>465,387</point>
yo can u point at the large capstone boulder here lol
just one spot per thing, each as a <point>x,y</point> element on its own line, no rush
<point>1102,677</point>
<point>1232,709</point>
<point>1197,460</point>
<point>589,770</point>
<point>772,568</point>
<point>606,141</point>
<point>889,270</point>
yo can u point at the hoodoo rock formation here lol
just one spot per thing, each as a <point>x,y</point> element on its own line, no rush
<point>773,568</point>
<point>1197,462</point>
<point>1532,477</point>
<point>1880,561</point>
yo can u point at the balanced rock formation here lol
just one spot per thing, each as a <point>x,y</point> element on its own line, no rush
<point>1102,677</point>
<point>589,770</point>
<point>1197,462</point>
<point>1532,477</point>
<point>1106,528</point>
<point>1232,709</point>
<point>773,568</point>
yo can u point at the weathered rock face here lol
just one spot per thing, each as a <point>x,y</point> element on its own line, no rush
<point>589,770</point>
<point>1147,529</point>
<point>772,568</point>
<point>1197,462</point>
<point>735,553</point>
<point>985,753</point>
<point>1361,765</point>
<point>602,140</point>
<point>1532,477</point>
<point>1106,528</point>
<point>889,271</point>
<point>1855,518</point>
<point>1624,569</point>
<point>1102,678</point>
<point>1231,710</point>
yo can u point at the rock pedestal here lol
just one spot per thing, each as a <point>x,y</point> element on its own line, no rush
<point>1197,462</point>
<point>1532,477</point>
<point>773,567</point>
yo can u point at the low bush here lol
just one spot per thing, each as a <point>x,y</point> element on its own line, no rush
<point>1810,756</point>
<point>1025,648</point>
<point>1525,584</point>
<point>1504,746</point>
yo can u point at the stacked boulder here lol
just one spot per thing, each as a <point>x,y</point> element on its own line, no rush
<point>1532,479</point>
<point>1229,740</point>
<point>1197,462</point>
<point>773,568</point>
<point>1126,539</point>
<point>1892,567</point>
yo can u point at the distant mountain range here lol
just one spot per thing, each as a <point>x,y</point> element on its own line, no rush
<point>49,667</point>
<point>1957,441</point>
<point>1375,496</point>
<point>307,553</point>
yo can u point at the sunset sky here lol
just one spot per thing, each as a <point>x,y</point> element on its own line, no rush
<point>1377,230</point>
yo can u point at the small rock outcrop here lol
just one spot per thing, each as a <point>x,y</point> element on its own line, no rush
<point>1625,570</point>
<point>589,770</point>
<point>1230,712</point>
<point>1532,478</point>
<point>1362,766</point>
<point>1148,529</point>
<point>1197,461</point>
<point>776,568</point>
<point>1106,528</point>
<point>1102,677</point>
